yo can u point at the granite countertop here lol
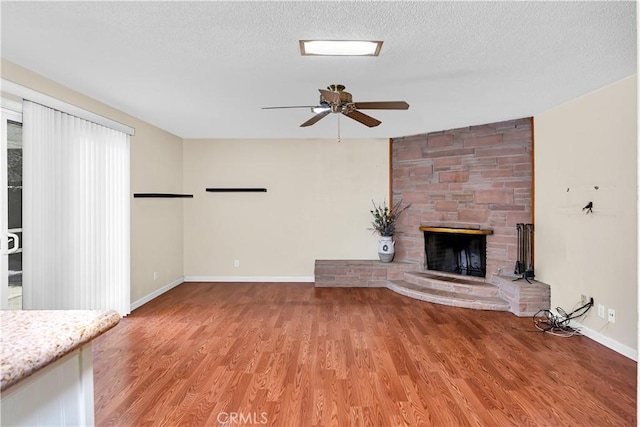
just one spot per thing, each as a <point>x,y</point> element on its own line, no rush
<point>32,339</point>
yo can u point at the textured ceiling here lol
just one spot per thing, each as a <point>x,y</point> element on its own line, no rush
<point>205,69</point>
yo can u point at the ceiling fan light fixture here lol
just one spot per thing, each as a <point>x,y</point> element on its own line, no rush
<point>316,110</point>
<point>340,47</point>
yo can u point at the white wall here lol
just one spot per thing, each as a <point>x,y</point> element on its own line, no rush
<point>156,166</point>
<point>588,142</point>
<point>316,206</point>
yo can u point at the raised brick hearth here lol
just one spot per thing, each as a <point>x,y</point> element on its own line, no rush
<point>358,273</point>
<point>519,297</point>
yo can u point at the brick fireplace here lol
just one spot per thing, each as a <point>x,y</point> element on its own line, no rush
<point>477,177</point>
<point>475,180</point>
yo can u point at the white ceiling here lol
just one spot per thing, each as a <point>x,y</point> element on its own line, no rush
<point>204,69</point>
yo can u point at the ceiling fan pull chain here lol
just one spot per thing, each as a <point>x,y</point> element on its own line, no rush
<point>339,127</point>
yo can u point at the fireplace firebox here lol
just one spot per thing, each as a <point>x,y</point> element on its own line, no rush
<point>455,250</point>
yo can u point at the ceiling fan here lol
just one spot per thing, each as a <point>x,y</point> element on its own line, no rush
<point>335,99</point>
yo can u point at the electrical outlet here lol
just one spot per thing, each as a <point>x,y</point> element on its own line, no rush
<point>583,299</point>
<point>236,263</point>
<point>611,316</point>
<point>601,310</point>
<point>155,275</point>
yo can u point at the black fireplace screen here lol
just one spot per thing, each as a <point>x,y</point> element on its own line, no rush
<point>464,254</point>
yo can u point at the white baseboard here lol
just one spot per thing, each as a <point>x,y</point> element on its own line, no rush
<point>606,341</point>
<point>250,279</point>
<point>156,293</point>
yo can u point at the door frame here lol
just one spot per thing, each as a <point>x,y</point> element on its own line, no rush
<point>10,111</point>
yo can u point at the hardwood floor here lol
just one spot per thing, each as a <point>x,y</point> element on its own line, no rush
<point>287,354</point>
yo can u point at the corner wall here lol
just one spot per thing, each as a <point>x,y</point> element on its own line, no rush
<point>156,166</point>
<point>586,151</point>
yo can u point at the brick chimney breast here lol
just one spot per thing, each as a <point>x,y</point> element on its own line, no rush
<point>472,177</point>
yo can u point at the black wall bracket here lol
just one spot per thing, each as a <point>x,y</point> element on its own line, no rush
<point>162,195</point>
<point>237,190</point>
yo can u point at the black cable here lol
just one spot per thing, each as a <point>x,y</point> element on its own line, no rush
<point>585,307</point>
<point>545,321</point>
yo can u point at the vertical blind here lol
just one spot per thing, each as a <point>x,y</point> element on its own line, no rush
<point>75,213</point>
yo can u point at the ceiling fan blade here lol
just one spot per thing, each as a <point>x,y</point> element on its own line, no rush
<point>362,118</point>
<point>385,105</point>
<point>315,119</point>
<point>330,97</point>
<point>297,106</point>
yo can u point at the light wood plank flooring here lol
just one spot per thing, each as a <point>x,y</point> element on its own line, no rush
<point>288,354</point>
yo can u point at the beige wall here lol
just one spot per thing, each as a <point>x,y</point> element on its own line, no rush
<point>316,206</point>
<point>588,142</point>
<point>156,166</point>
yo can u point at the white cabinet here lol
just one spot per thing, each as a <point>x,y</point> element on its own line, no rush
<point>60,394</point>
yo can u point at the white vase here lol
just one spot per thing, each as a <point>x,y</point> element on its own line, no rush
<point>386,248</point>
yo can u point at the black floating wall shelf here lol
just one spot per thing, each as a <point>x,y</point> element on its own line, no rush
<point>237,190</point>
<point>159,195</point>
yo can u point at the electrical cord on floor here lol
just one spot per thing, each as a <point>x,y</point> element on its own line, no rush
<point>558,325</point>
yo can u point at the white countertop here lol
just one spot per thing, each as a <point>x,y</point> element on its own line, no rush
<point>32,339</point>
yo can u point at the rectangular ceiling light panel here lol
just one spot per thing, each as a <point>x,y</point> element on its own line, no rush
<point>340,47</point>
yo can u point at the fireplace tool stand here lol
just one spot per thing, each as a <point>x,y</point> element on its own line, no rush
<point>524,264</point>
